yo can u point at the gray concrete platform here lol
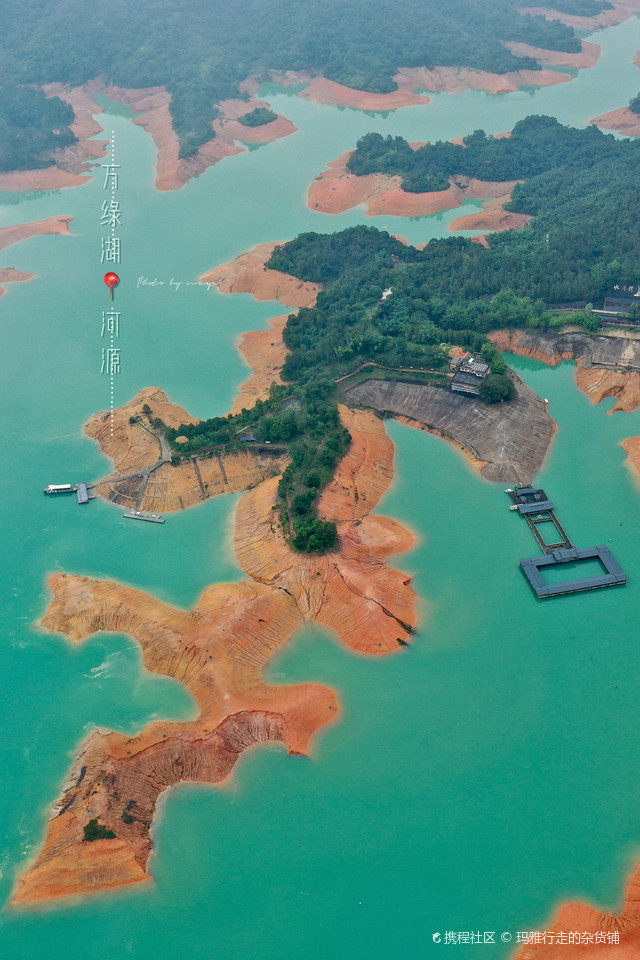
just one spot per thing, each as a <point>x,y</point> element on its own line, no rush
<point>532,567</point>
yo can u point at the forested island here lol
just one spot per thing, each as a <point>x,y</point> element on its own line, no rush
<point>201,52</point>
<point>257,118</point>
<point>32,127</point>
<point>580,187</point>
<point>403,308</point>
<point>536,145</point>
<point>582,8</point>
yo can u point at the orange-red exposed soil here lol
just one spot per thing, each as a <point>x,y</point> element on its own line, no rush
<point>436,79</point>
<point>492,217</point>
<point>22,231</point>
<point>73,165</point>
<point>133,447</point>
<point>321,90</point>
<point>49,178</point>
<point>632,447</point>
<point>337,190</point>
<point>509,340</point>
<point>264,351</point>
<point>624,120</point>
<point>152,104</point>
<point>622,10</point>
<point>588,56</point>
<point>130,445</point>
<point>172,171</point>
<point>459,79</point>
<point>219,649</point>
<point>11,275</point>
<point>369,605</point>
<point>597,382</point>
<point>278,128</point>
<point>585,919</point>
<point>248,274</point>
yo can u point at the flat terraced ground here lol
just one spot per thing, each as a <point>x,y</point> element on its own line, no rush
<point>511,439</point>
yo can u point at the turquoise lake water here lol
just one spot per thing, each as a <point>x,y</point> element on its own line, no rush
<point>476,779</point>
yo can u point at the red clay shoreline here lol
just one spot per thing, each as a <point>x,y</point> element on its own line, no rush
<point>622,10</point>
<point>218,649</point>
<point>624,120</point>
<point>446,80</point>
<point>585,919</point>
<point>23,231</point>
<point>598,383</point>
<point>338,190</point>
<point>251,725</point>
<point>73,165</point>
<point>344,591</point>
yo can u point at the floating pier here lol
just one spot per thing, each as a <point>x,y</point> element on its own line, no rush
<point>82,492</point>
<point>137,515</point>
<point>539,512</point>
<point>535,506</point>
<point>80,489</point>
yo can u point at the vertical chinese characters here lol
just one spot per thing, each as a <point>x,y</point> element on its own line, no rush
<point>111,253</point>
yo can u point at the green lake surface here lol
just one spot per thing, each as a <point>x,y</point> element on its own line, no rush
<point>474,780</point>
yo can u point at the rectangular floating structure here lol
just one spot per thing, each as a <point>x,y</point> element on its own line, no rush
<point>82,493</point>
<point>151,517</point>
<point>536,508</point>
<point>534,505</point>
<point>533,566</point>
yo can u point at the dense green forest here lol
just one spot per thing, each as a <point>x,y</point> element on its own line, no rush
<point>582,8</point>
<point>446,294</point>
<point>583,239</point>
<point>536,146</point>
<point>202,49</point>
<point>31,127</point>
<point>584,198</point>
<point>351,324</point>
<point>257,118</point>
<point>635,104</point>
<point>303,416</point>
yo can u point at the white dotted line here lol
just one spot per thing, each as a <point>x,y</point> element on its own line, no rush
<point>113,160</point>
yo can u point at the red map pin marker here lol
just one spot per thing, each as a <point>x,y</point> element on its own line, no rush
<point>112,280</point>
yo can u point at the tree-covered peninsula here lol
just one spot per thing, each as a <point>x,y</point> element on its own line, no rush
<point>582,8</point>
<point>32,126</point>
<point>580,186</point>
<point>257,118</point>
<point>395,310</point>
<point>536,145</point>
<point>634,104</point>
<point>201,50</point>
